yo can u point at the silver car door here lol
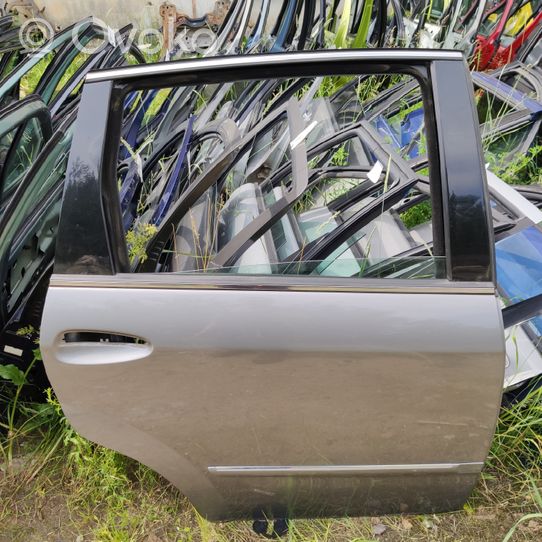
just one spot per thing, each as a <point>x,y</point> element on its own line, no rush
<point>283,396</point>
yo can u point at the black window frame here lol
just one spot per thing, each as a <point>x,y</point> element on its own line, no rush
<point>91,226</point>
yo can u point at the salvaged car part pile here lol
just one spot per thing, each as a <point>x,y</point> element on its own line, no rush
<point>325,176</point>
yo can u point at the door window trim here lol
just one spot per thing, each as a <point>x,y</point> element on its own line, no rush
<point>290,283</point>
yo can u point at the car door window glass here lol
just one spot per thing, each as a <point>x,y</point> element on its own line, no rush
<point>30,232</point>
<point>27,77</point>
<point>500,145</point>
<point>259,212</point>
<point>490,107</point>
<point>29,142</point>
<point>519,275</point>
<point>36,189</point>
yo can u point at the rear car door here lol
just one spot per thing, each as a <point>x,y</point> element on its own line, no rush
<point>285,395</point>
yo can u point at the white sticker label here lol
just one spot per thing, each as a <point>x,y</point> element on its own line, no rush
<point>376,171</point>
<point>13,351</point>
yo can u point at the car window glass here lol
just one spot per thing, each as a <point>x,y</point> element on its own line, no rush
<point>490,108</point>
<point>30,231</point>
<point>500,146</point>
<point>46,177</point>
<point>518,19</point>
<point>519,272</point>
<point>29,142</point>
<point>260,211</point>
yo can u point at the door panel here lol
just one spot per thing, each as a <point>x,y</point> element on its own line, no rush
<point>283,395</point>
<point>324,403</point>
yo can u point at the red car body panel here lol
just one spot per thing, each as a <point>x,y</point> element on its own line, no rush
<point>504,55</point>
<point>489,53</point>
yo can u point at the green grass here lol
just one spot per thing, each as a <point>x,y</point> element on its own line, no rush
<point>417,214</point>
<point>517,446</point>
<point>137,241</point>
<point>520,169</point>
<point>59,485</point>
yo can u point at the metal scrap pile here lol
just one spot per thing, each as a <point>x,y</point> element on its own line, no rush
<point>326,176</point>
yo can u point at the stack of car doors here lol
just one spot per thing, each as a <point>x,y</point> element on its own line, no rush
<point>11,49</point>
<point>490,33</point>
<point>510,126</point>
<point>506,26</point>
<point>223,164</point>
<point>39,94</point>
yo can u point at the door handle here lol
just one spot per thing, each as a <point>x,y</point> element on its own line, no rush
<point>90,348</point>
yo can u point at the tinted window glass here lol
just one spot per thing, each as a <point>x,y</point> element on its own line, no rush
<point>28,144</point>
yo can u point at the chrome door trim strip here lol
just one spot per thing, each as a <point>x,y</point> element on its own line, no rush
<point>270,283</point>
<point>269,60</point>
<point>348,470</point>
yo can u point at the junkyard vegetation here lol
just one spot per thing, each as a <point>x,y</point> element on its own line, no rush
<point>137,240</point>
<point>521,169</point>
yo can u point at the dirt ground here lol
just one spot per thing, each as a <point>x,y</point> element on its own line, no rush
<point>56,507</point>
